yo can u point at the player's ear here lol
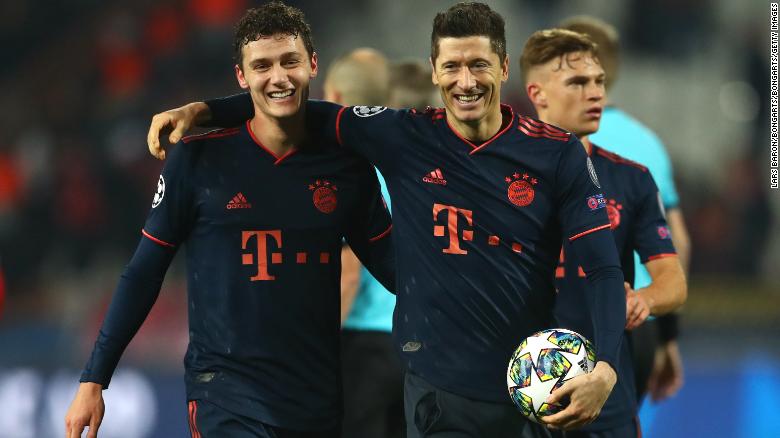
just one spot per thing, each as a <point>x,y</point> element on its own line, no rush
<point>240,77</point>
<point>536,94</point>
<point>505,69</point>
<point>314,69</point>
<point>434,79</point>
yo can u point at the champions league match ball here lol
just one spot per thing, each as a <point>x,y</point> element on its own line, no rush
<point>544,361</point>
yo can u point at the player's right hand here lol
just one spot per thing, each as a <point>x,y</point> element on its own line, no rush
<point>86,410</point>
<point>176,122</point>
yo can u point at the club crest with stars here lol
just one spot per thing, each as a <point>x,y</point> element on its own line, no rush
<point>521,188</point>
<point>324,196</point>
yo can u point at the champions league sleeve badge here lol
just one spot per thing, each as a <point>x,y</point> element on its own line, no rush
<point>368,111</point>
<point>592,173</point>
<point>158,197</point>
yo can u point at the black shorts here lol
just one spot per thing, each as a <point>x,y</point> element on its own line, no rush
<point>373,385</point>
<point>432,412</point>
<point>628,430</point>
<point>207,420</point>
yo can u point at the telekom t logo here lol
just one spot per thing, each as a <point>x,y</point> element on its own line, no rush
<point>262,252</point>
<point>451,217</point>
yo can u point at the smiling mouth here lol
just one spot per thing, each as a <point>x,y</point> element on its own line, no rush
<point>281,94</point>
<point>466,99</point>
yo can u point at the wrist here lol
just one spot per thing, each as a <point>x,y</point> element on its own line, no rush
<point>198,112</point>
<point>90,387</point>
<point>604,372</point>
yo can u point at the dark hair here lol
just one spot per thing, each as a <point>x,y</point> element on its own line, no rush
<point>469,19</point>
<point>605,36</point>
<point>269,19</point>
<point>544,45</point>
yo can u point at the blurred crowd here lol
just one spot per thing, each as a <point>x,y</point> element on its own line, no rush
<point>81,79</point>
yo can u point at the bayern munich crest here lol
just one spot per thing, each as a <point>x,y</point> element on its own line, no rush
<point>368,111</point>
<point>521,188</point>
<point>324,196</point>
<point>613,211</point>
<point>160,194</point>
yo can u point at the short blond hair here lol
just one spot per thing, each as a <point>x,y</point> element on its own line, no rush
<point>605,36</point>
<point>545,45</point>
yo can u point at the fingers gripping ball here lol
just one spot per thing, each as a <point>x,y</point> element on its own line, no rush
<point>543,362</point>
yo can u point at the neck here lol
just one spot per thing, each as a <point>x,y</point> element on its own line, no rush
<point>478,131</point>
<point>586,144</point>
<point>279,135</point>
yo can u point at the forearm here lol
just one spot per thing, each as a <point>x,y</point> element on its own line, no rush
<point>350,280</point>
<point>667,292</point>
<point>134,297</point>
<point>606,297</point>
<point>225,112</point>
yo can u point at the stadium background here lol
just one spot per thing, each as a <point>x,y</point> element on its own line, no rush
<point>80,80</point>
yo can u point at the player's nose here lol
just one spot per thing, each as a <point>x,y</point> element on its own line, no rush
<point>466,80</point>
<point>278,75</point>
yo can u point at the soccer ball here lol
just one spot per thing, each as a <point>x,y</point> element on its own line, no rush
<point>544,361</point>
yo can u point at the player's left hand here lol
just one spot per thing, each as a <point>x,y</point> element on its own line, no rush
<point>667,375</point>
<point>586,395</point>
<point>637,308</point>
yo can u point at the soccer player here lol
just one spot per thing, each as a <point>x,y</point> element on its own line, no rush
<point>565,82</point>
<point>372,373</point>
<point>657,359</point>
<point>482,199</point>
<point>262,208</point>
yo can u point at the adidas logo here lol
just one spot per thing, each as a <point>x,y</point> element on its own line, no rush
<point>238,201</point>
<point>435,177</point>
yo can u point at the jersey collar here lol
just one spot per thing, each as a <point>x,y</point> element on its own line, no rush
<point>277,158</point>
<point>508,117</point>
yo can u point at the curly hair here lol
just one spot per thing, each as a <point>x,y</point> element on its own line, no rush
<point>467,19</point>
<point>269,19</point>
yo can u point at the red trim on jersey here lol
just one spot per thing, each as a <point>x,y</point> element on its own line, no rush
<point>217,133</point>
<point>259,143</point>
<point>189,418</point>
<point>661,256</point>
<point>615,158</point>
<point>495,136</point>
<point>338,125</point>
<point>544,129</point>
<point>592,230</point>
<point>383,234</point>
<point>156,240</point>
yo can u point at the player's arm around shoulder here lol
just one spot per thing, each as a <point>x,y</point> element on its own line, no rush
<point>86,410</point>
<point>175,122</point>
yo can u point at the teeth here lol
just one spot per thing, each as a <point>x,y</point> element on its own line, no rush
<point>281,94</point>
<point>469,98</point>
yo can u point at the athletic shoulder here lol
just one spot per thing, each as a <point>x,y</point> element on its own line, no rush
<point>211,135</point>
<point>534,128</point>
<point>617,159</point>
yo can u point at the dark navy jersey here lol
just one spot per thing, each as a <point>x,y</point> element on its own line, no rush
<point>637,221</point>
<point>263,237</point>
<point>478,233</point>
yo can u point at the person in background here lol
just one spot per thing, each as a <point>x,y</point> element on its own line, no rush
<point>657,359</point>
<point>565,82</point>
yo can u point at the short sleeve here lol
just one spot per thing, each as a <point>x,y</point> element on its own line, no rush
<point>170,218</point>
<point>651,236</point>
<point>578,192</point>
